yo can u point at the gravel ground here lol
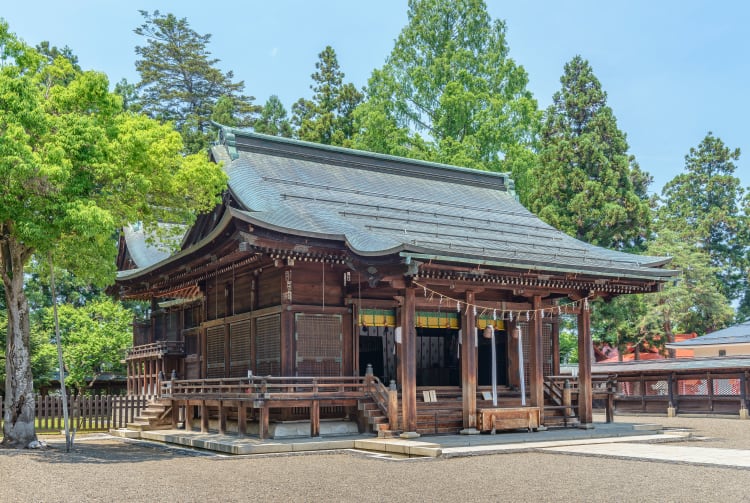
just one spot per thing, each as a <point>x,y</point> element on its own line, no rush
<point>101,468</point>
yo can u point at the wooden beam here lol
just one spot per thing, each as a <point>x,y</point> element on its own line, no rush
<point>585,357</point>
<point>408,362</point>
<point>469,363</point>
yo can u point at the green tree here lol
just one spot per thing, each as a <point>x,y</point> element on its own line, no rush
<point>587,184</point>
<point>129,95</point>
<point>707,206</point>
<point>74,169</point>
<point>695,303</point>
<point>180,82</point>
<point>328,117</point>
<point>273,119</point>
<point>94,338</point>
<point>449,92</point>
<point>616,322</point>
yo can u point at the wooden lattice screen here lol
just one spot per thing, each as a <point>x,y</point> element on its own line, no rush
<point>268,345</point>
<point>547,345</point>
<point>546,349</point>
<point>239,348</point>
<point>215,352</point>
<point>319,338</point>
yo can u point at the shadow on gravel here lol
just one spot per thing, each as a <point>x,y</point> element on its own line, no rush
<point>102,451</point>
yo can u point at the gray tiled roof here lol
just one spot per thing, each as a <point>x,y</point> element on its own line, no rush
<point>146,248</point>
<point>381,205</point>
<point>736,334</point>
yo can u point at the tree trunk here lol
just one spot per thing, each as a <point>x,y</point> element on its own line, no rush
<point>18,419</point>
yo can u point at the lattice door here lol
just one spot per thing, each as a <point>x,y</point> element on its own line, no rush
<point>239,348</point>
<point>319,339</point>
<point>268,345</point>
<point>215,352</point>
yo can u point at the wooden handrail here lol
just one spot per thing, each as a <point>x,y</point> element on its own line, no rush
<point>267,388</point>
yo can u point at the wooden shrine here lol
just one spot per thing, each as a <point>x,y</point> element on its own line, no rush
<point>323,262</point>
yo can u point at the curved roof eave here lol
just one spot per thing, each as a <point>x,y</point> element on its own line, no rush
<point>215,232</point>
<point>623,273</point>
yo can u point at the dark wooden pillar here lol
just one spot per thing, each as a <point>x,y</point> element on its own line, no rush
<point>315,418</point>
<point>469,362</point>
<point>408,363</point>
<point>242,419</point>
<point>536,358</point>
<point>204,417</point>
<point>585,350</point>
<point>222,417</point>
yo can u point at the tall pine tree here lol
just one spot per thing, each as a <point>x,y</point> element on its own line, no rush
<point>587,184</point>
<point>273,119</point>
<point>706,205</point>
<point>327,118</point>
<point>180,82</point>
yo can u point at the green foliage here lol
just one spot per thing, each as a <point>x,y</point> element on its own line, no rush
<point>94,338</point>
<point>273,119</point>
<point>707,206</point>
<point>75,168</point>
<point>617,321</point>
<point>129,95</point>
<point>568,346</point>
<point>180,82</point>
<point>450,93</point>
<point>328,117</point>
<point>695,303</point>
<point>587,184</point>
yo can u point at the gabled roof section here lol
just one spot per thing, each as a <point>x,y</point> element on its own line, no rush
<point>147,248</point>
<point>736,334</point>
<point>379,204</point>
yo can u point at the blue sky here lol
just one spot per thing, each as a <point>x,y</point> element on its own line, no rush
<point>673,70</point>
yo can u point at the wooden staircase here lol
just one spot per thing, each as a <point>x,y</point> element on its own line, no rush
<point>372,419</point>
<point>558,413</point>
<point>156,416</point>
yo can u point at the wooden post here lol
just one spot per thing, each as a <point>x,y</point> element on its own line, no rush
<point>585,350</point>
<point>536,357</point>
<point>242,419</point>
<point>315,418</point>
<point>222,418</point>
<point>409,363</point>
<point>263,422</point>
<point>392,406</point>
<point>204,417</point>
<point>743,396</point>
<point>611,390</point>
<point>567,399</point>
<point>175,413</point>
<point>469,364</point>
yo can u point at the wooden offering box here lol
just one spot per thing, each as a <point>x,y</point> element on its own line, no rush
<point>508,418</point>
